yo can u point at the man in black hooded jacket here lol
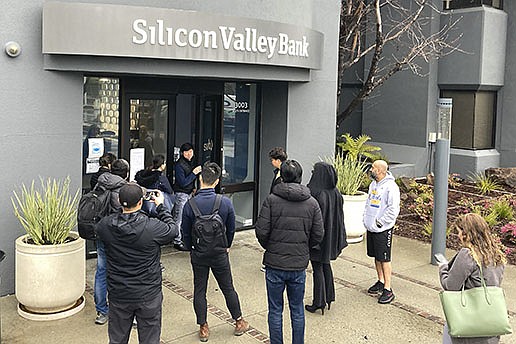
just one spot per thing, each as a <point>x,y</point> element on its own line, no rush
<point>289,225</point>
<point>132,244</point>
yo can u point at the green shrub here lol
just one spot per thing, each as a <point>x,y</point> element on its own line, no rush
<point>503,210</point>
<point>484,184</point>
<point>47,213</point>
<point>427,229</point>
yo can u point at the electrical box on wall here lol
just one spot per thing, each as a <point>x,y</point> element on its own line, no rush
<point>432,136</point>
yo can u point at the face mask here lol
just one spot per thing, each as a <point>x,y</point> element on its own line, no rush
<point>373,175</point>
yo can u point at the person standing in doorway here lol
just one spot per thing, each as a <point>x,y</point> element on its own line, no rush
<point>289,225</point>
<point>381,210</point>
<point>184,185</point>
<point>277,155</point>
<point>323,188</point>
<point>133,246</point>
<point>208,229</point>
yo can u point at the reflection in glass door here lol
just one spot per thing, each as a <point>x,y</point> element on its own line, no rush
<point>239,149</point>
<point>148,129</point>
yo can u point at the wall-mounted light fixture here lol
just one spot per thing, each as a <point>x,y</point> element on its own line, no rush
<point>12,49</point>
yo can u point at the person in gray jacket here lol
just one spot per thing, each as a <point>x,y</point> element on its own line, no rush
<point>111,181</point>
<point>479,248</point>
<point>381,210</point>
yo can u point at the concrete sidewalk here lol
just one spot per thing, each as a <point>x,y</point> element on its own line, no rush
<point>415,315</point>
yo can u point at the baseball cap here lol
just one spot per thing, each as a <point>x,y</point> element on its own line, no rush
<point>130,194</point>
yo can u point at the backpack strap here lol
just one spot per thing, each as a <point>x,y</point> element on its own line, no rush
<point>216,205</point>
<point>195,208</point>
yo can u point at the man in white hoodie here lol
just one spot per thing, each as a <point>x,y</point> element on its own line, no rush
<point>382,209</point>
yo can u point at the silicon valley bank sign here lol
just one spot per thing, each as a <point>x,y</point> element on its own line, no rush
<point>130,31</point>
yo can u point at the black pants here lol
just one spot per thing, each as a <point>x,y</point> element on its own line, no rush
<point>222,271</point>
<point>324,288</point>
<point>148,316</point>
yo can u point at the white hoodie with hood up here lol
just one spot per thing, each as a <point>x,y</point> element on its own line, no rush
<point>383,204</point>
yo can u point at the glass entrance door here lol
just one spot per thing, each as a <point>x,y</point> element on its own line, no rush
<point>148,134</point>
<point>239,149</point>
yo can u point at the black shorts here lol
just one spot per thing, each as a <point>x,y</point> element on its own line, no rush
<point>379,245</point>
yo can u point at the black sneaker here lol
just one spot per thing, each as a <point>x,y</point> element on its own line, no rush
<point>386,297</point>
<point>375,288</point>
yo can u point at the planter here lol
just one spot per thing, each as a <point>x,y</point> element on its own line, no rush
<point>353,214</point>
<point>50,279</point>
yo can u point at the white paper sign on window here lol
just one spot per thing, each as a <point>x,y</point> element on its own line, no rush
<point>96,147</point>
<point>92,165</point>
<point>136,161</point>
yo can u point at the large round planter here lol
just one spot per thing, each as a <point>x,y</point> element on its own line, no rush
<point>50,278</point>
<point>353,215</point>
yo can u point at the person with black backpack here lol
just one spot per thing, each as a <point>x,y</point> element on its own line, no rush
<point>208,227</point>
<point>112,182</point>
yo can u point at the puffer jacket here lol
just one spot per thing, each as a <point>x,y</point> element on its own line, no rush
<point>289,224</point>
<point>153,179</point>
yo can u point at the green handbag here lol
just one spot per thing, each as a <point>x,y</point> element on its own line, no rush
<point>476,312</point>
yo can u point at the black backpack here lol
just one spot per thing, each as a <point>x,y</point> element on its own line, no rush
<point>92,207</point>
<point>208,231</point>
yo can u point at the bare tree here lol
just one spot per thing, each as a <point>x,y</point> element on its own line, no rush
<point>368,28</point>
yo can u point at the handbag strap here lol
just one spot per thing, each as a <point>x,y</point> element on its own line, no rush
<point>484,286</point>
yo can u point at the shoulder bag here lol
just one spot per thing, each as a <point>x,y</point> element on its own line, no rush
<point>476,312</point>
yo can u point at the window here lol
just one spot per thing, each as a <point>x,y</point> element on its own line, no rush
<point>100,113</point>
<point>456,4</point>
<point>473,119</point>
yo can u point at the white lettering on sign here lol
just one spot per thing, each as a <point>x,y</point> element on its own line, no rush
<point>249,40</point>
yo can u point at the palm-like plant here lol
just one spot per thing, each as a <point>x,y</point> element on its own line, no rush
<point>49,213</point>
<point>357,148</point>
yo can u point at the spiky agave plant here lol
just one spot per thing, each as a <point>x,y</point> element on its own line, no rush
<point>350,173</point>
<point>47,213</point>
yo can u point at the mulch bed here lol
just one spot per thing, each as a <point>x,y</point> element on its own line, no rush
<point>410,225</point>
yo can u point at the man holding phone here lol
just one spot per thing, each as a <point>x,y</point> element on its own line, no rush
<point>132,242</point>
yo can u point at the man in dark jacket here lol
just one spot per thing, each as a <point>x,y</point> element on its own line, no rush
<point>184,184</point>
<point>133,242</point>
<point>111,181</point>
<point>218,259</point>
<point>289,224</point>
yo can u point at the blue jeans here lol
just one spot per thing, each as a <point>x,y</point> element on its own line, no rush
<point>294,281</point>
<point>177,213</point>
<point>100,280</point>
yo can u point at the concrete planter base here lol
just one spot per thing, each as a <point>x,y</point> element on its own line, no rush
<point>353,212</point>
<point>50,278</point>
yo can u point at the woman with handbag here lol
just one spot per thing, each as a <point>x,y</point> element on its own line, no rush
<point>480,258</point>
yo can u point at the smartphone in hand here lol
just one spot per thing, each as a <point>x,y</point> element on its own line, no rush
<point>440,258</point>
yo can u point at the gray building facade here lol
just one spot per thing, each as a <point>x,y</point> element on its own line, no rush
<point>401,115</point>
<point>75,90</point>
